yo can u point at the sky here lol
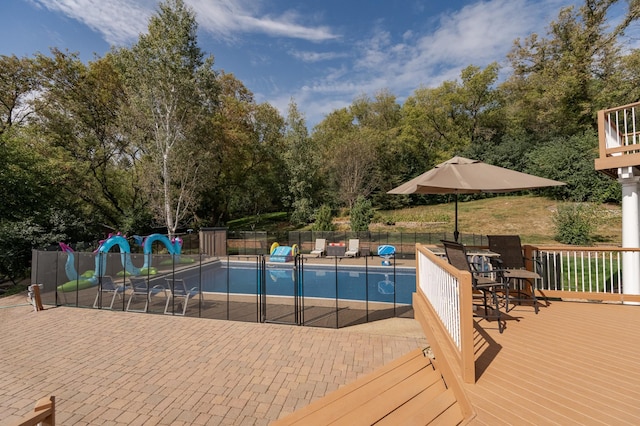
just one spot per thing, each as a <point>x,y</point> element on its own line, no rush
<point>320,54</point>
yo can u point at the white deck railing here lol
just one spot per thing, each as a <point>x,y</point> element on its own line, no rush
<point>444,300</point>
<point>619,138</point>
<point>583,272</point>
<point>443,304</point>
<point>622,127</point>
<point>442,290</point>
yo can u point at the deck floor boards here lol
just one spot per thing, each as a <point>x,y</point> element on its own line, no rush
<point>572,363</point>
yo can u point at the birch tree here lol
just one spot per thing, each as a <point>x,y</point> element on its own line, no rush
<point>172,91</point>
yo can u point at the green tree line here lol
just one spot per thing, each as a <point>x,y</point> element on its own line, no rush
<point>154,136</point>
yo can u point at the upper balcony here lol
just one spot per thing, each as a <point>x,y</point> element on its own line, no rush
<point>619,138</point>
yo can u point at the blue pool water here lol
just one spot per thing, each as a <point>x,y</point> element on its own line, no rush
<point>377,284</point>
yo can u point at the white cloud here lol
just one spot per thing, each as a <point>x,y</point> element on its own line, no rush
<point>477,34</point>
<point>226,18</point>
<point>312,57</point>
<point>121,21</point>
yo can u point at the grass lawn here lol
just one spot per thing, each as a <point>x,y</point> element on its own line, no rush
<point>529,216</point>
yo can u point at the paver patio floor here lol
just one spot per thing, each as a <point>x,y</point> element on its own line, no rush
<point>115,368</point>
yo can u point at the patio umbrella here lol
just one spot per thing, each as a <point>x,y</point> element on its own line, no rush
<point>461,175</point>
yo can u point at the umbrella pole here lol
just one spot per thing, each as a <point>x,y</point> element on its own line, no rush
<point>456,234</point>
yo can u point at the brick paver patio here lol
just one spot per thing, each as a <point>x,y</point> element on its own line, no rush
<point>114,368</point>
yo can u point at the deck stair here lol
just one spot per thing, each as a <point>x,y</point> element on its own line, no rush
<point>409,390</point>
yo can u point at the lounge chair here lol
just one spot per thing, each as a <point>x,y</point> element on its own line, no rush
<point>354,248</point>
<point>107,286</point>
<point>178,293</point>
<point>140,287</point>
<point>482,281</point>
<point>512,261</point>
<point>321,246</point>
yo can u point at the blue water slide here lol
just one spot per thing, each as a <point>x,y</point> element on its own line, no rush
<point>281,254</point>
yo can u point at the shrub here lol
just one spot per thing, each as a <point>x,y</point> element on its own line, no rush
<point>361,215</point>
<point>323,219</point>
<point>302,211</point>
<point>574,224</point>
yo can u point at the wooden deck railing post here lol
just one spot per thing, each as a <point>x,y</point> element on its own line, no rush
<point>48,404</point>
<point>43,413</point>
<point>528,257</point>
<point>467,351</point>
<point>37,297</point>
<point>602,139</point>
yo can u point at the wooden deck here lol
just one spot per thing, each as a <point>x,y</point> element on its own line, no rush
<point>573,363</point>
<point>408,390</point>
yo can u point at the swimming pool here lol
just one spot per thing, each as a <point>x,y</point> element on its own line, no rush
<point>376,284</point>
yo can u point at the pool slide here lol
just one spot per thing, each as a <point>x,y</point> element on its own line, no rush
<point>280,253</point>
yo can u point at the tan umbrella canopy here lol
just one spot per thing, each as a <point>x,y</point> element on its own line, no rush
<point>461,175</point>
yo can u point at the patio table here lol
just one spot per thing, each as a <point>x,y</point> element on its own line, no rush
<point>478,256</point>
<point>336,249</point>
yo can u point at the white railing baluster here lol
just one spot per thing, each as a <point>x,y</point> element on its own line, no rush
<point>597,270</point>
<point>619,277</point>
<point>611,270</point>
<point>555,261</point>
<point>575,270</point>
<point>618,129</point>
<point>588,270</point>
<point>581,270</point>
<point>567,261</point>
<point>633,115</point>
<point>626,127</point>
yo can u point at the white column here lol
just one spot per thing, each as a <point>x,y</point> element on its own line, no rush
<point>630,229</point>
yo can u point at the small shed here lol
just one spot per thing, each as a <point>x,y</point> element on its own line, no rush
<point>213,241</point>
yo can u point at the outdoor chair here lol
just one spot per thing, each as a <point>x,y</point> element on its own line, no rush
<point>321,246</point>
<point>180,295</point>
<point>140,287</point>
<point>354,248</point>
<point>512,262</point>
<point>484,282</point>
<point>107,287</point>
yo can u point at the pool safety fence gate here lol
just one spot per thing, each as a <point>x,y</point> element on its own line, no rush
<point>237,288</point>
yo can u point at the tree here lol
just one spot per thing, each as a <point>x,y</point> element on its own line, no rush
<point>32,212</point>
<point>570,160</point>
<point>378,124</point>
<point>301,162</point>
<point>243,151</point>
<point>328,136</point>
<point>172,92</point>
<point>354,160</point>
<point>558,82</point>
<point>78,115</point>
<point>18,82</point>
<point>349,153</point>
<point>450,119</point>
